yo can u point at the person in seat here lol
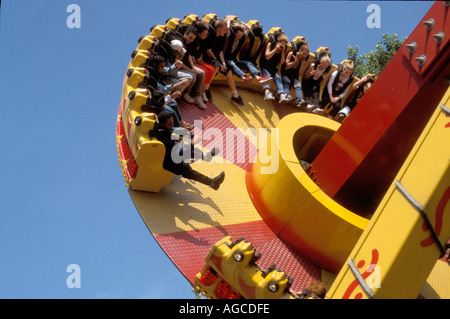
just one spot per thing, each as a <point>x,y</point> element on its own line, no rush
<point>313,79</point>
<point>193,93</point>
<point>212,48</point>
<point>293,67</point>
<point>337,88</point>
<point>235,40</point>
<point>173,158</point>
<point>270,60</point>
<point>360,89</point>
<point>160,102</point>
<point>196,52</point>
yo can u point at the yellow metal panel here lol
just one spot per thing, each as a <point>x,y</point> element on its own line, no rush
<point>438,282</point>
<point>196,206</point>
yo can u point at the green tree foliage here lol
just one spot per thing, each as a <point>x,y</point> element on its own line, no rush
<point>375,61</point>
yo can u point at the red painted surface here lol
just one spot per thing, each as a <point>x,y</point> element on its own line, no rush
<point>188,250</point>
<point>359,163</point>
<point>213,119</point>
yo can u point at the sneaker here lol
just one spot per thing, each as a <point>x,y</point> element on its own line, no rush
<point>301,103</point>
<point>248,78</point>
<point>318,111</point>
<point>204,97</point>
<point>310,107</point>
<point>208,95</point>
<point>215,184</point>
<point>269,96</point>
<point>283,98</point>
<point>289,98</point>
<point>199,102</point>
<point>237,100</point>
<point>263,80</point>
<point>188,98</point>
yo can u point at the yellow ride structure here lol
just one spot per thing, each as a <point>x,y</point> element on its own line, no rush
<point>399,250</point>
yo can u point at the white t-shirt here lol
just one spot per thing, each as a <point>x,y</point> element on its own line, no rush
<point>340,83</point>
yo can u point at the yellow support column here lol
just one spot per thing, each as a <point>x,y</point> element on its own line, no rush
<point>397,252</point>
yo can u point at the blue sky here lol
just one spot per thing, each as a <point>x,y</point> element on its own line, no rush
<point>63,199</point>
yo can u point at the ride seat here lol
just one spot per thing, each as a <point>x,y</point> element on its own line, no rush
<point>141,155</point>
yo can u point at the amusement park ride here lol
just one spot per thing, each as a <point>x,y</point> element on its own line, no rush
<point>368,215</point>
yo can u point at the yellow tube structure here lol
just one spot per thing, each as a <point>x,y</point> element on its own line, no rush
<point>293,206</point>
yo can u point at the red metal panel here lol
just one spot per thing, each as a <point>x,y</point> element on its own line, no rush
<point>430,37</point>
<point>358,164</point>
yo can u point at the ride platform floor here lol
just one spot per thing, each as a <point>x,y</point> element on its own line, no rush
<point>187,218</point>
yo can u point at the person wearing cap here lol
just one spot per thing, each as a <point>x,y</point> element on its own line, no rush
<point>194,90</point>
<point>176,73</point>
<point>177,46</point>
